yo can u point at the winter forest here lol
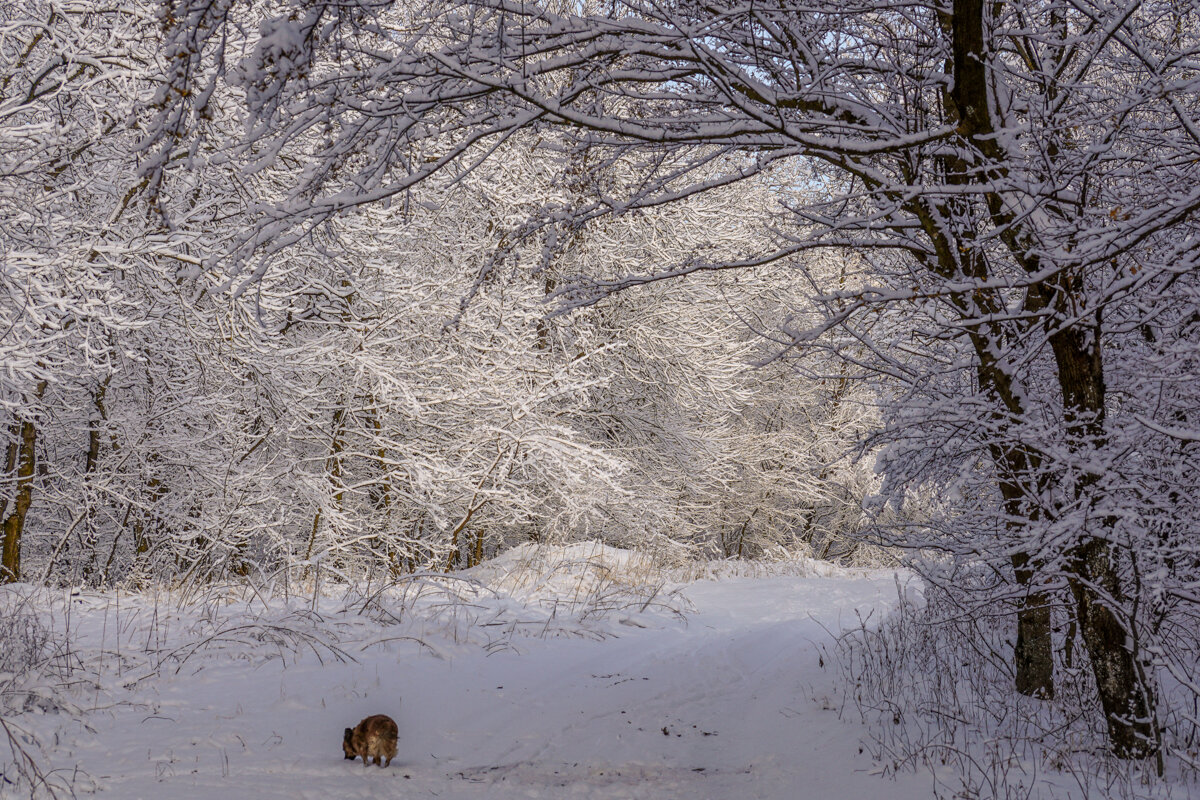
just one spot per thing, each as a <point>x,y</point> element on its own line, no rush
<point>766,397</point>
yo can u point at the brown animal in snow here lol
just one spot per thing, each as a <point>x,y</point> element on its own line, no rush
<point>374,737</point>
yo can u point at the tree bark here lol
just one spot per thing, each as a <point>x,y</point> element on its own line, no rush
<point>1123,696</point>
<point>1022,479</point>
<point>958,253</point>
<point>1033,655</point>
<point>21,465</point>
<point>1095,584</point>
<point>1018,468</point>
<point>1094,581</point>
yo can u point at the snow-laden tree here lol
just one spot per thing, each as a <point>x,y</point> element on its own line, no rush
<point>1020,179</point>
<point>121,391</point>
<point>64,79</point>
<point>436,431</point>
<point>389,391</point>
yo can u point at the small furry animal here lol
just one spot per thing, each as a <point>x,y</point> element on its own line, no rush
<point>374,737</point>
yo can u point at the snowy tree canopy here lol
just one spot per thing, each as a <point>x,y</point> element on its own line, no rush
<point>276,283</point>
<point>1018,181</point>
<point>387,392</point>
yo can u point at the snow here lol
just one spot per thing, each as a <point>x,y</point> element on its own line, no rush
<point>543,687</point>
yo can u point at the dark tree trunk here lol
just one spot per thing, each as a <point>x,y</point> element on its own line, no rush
<point>21,464</point>
<point>1095,584</point>
<point>1123,695</point>
<point>1018,469</point>
<point>1033,656</point>
<point>1022,480</point>
<point>1094,581</point>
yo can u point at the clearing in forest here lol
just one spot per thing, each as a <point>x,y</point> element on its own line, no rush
<point>563,674</point>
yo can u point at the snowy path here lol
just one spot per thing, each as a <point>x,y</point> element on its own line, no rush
<point>732,705</point>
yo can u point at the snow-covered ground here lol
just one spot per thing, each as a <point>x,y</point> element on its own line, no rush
<point>566,684</point>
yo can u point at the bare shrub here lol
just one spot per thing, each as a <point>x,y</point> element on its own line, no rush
<point>934,683</point>
<point>34,670</point>
<point>24,642</point>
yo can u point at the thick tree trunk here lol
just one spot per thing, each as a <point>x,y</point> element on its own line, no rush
<point>1033,656</point>
<point>1033,653</point>
<point>1019,472</point>
<point>1095,584</point>
<point>1018,468</point>
<point>1021,478</point>
<point>21,463</point>
<point>1123,696</point>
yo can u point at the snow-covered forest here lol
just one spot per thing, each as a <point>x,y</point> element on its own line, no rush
<point>853,346</point>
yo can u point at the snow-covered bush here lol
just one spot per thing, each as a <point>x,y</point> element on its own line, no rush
<point>933,681</point>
